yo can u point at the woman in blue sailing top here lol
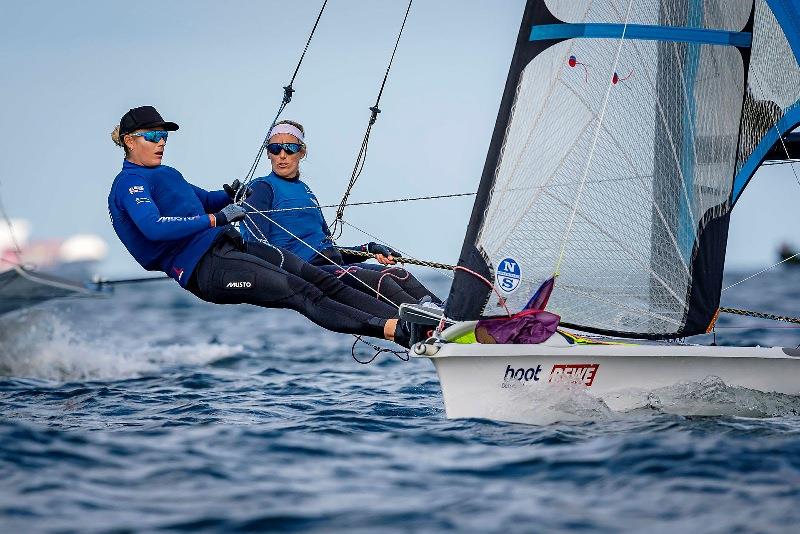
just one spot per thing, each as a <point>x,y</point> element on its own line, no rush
<point>290,218</point>
<point>170,225</point>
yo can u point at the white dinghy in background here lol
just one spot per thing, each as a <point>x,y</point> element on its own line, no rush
<point>626,133</point>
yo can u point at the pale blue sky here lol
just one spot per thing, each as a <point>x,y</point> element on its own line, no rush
<point>70,69</point>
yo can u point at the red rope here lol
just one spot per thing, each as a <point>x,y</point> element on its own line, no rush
<point>387,273</point>
<point>502,300</point>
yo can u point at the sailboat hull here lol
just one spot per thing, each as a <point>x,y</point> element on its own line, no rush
<point>509,382</point>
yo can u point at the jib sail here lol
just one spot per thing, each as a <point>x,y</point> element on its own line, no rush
<point>626,132</point>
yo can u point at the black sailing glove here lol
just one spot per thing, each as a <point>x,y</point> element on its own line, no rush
<point>233,189</point>
<point>377,248</point>
<point>228,214</point>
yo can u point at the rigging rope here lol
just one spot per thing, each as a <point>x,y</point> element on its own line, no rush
<point>791,162</point>
<point>7,220</point>
<point>287,97</point>
<point>760,315</point>
<point>781,162</point>
<point>304,242</point>
<point>361,159</point>
<point>367,203</point>
<point>410,261</point>
<point>611,84</point>
<point>786,151</point>
<point>762,271</point>
<point>433,265</point>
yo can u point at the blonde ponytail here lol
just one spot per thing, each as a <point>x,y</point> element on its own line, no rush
<point>119,140</point>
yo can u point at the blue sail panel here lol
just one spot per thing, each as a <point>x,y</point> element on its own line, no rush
<point>772,103</point>
<point>546,32</point>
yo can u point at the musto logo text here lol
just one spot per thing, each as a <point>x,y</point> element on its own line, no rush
<point>561,373</point>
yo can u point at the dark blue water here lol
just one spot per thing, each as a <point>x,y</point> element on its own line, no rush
<point>154,411</point>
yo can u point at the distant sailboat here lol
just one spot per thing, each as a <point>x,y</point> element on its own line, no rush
<point>626,133</point>
<point>62,266</point>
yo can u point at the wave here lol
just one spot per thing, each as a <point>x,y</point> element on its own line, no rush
<point>709,397</point>
<point>39,344</point>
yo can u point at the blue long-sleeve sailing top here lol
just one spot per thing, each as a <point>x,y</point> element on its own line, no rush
<point>162,219</point>
<point>297,211</point>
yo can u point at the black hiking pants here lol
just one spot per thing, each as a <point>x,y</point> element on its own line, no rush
<point>232,272</point>
<point>395,284</point>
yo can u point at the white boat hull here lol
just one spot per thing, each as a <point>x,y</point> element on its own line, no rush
<point>510,382</point>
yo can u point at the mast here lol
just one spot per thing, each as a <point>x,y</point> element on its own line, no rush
<point>469,293</point>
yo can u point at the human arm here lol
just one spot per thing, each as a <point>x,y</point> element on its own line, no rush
<point>385,255</point>
<point>134,195</point>
<point>212,200</point>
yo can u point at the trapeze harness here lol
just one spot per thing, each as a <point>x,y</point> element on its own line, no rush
<point>214,263</point>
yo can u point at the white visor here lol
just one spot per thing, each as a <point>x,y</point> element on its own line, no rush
<point>286,129</point>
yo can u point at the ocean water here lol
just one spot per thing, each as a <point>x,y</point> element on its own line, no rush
<point>152,411</point>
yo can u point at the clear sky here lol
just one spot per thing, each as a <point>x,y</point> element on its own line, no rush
<point>71,69</point>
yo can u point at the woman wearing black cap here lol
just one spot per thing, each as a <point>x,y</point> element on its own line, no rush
<point>170,225</point>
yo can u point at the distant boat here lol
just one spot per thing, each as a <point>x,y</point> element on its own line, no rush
<point>789,255</point>
<point>33,271</point>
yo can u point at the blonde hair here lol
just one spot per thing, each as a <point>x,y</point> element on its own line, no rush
<point>119,140</point>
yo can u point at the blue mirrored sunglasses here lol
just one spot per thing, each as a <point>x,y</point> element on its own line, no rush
<point>154,136</point>
<point>290,148</point>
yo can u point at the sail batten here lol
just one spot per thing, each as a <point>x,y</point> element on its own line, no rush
<point>624,134</point>
<point>640,32</point>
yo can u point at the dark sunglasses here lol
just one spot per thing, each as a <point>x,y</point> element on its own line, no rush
<point>154,136</point>
<point>290,148</point>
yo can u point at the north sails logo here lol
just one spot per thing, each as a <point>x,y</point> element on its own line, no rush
<point>239,285</point>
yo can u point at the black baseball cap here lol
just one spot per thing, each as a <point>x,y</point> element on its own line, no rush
<point>144,117</point>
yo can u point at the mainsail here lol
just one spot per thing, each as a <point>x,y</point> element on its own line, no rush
<point>626,133</point>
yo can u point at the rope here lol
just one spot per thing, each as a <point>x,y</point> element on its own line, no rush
<point>434,265</point>
<point>368,203</point>
<point>304,242</point>
<point>502,300</point>
<point>402,355</point>
<point>388,272</point>
<point>782,162</point>
<point>762,271</point>
<point>102,282</point>
<point>786,151</point>
<point>33,277</point>
<point>7,219</point>
<point>287,97</point>
<point>361,159</point>
<point>403,259</point>
<point>594,144</point>
<point>263,239</point>
<point>760,315</point>
<point>791,162</point>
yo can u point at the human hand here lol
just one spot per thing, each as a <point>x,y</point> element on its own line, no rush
<point>229,214</point>
<point>233,189</point>
<point>384,254</point>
